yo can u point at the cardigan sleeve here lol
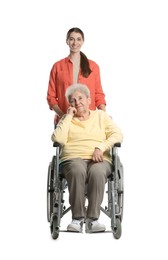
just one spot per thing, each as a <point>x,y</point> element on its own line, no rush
<point>113,134</point>
<point>60,134</point>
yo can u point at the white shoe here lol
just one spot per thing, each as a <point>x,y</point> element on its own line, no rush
<point>93,226</point>
<point>75,226</point>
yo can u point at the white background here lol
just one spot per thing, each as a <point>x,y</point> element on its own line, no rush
<point>129,41</point>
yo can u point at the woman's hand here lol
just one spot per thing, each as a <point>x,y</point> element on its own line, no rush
<point>97,155</point>
<point>71,111</point>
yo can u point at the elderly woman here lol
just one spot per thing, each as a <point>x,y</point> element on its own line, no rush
<point>86,137</point>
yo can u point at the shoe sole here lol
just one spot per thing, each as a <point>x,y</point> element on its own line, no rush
<point>94,231</point>
<point>74,230</point>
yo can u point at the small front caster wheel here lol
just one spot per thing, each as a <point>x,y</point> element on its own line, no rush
<point>54,228</point>
<point>117,230</point>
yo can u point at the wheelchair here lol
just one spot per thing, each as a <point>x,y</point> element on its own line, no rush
<point>56,185</point>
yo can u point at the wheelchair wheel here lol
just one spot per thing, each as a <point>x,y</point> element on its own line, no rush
<point>121,197</point>
<point>50,189</point>
<point>54,228</point>
<point>121,190</point>
<point>117,230</point>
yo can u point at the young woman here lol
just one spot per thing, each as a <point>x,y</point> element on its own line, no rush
<point>76,68</point>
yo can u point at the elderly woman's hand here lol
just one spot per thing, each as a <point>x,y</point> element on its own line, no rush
<point>71,111</point>
<point>97,155</point>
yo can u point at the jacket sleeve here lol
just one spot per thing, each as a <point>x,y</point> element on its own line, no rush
<point>99,94</point>
<point>60,134</point>
<point>52,86</point>
<point>113,134</point>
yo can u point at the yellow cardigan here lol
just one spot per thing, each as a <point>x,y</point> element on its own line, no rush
<point>79,138</point>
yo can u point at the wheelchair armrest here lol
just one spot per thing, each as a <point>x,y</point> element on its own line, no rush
<point>117,145</point>
<point>56,144</point>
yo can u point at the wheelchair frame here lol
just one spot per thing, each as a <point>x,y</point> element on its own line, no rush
<point>56,185</point>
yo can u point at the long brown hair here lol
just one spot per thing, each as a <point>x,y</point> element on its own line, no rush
<point>84,63</point>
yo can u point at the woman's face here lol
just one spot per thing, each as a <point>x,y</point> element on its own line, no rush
<point>75,42</point>
<point>80,101</point>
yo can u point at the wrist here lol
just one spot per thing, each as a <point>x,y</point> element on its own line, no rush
<point>102,107</point>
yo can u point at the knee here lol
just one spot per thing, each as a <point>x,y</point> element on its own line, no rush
<point>77,169</point>
<point>100,170</point>
<point>97,174</point>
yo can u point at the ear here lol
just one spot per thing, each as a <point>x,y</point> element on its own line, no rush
<point>89,100</point>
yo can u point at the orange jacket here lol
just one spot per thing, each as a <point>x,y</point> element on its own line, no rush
<point>61,77</point>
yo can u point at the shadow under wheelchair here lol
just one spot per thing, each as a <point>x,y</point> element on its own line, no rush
<point>113,209</point>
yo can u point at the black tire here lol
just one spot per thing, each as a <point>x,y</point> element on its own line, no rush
<point>117,230</point>
<point>121,191</point>
<point>54,228</point>
<point>50,189</point>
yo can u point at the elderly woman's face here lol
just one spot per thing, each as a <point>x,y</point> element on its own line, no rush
<point>80,101</point>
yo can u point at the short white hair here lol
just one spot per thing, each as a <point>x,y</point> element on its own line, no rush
<point>77,87</point>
